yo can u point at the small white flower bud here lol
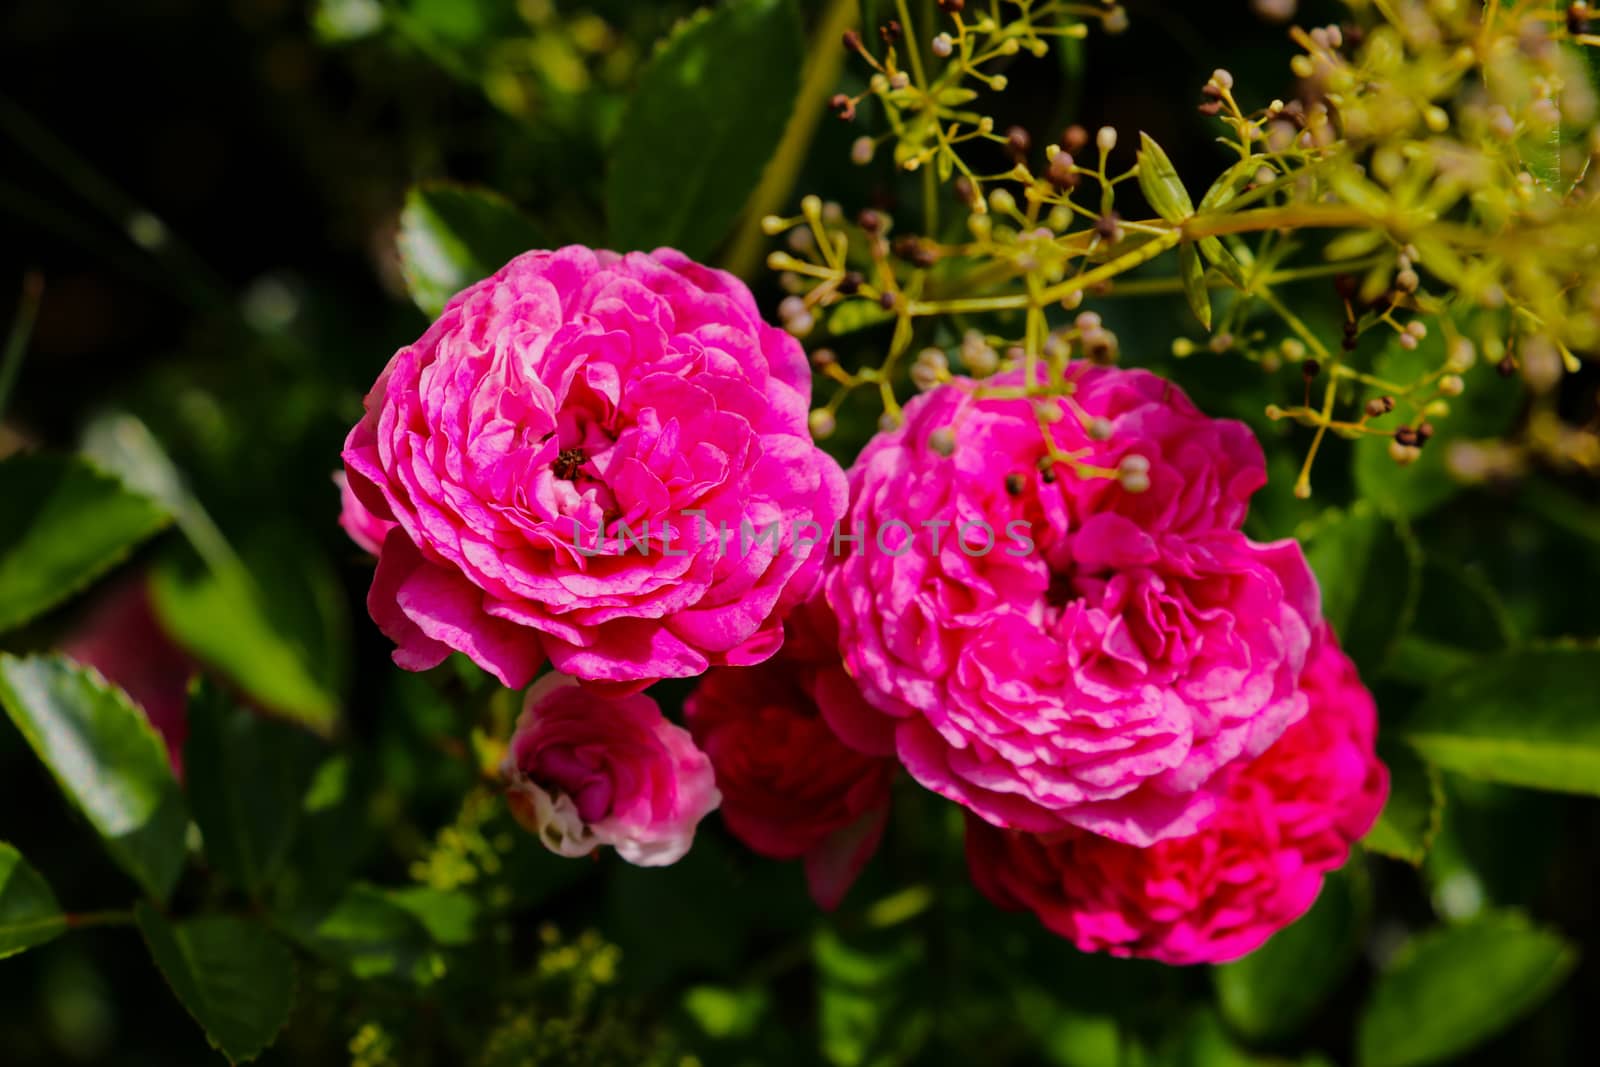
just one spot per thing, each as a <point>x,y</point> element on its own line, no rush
<point>943,441</point>
<point>943,45</point>
<point>1106,139</point>
<point>822,424</point>
<point>861,150</point>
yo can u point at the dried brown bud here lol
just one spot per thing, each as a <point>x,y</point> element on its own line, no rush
<point>1108,226</point>
<point>1406,437</point>
<point>952,7</point>
<point>1577,19</point>
<point>1015,483</point>
<point>1379,405</point>
<point>966,191</point>
<point>1424,432</point>
<point>915,251</point>
<point>1346,285</point>
<point>870,221</point>
<point>1018,143</point>
<point>888,301</point>
<point>891,32</point>
<point>1310,369</point>
<point>1060,172</point>
<point>1074,138</point>
<point>1507,367</point>
<point>851,283</point>
<point>852,42</point>
<point>845,106</point>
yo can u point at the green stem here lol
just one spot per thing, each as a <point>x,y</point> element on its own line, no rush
<point>821,73</point>
<point>21,331</point>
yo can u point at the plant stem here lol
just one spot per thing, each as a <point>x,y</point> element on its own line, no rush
<point>821,73</point>
<point>21,331</point>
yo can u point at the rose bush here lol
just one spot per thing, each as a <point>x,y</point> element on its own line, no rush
<point>571,392</point>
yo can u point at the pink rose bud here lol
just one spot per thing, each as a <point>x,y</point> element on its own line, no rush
<point>1255,866</point>
<point>559,454</point>
<point>790,788</point>
<point>587,769</point>
<point>1056,649</point>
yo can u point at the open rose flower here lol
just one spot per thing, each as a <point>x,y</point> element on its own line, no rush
<point>1256,866</point>
<point>588,769</point>
<point>559,454</point>
<point>790,787</point>
<point>1054,649</point>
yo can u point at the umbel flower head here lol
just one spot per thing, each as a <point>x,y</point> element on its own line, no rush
<point>572,394</point>
<point>1073,650</point>
<point>1257,864</point>
<point>588,769</point>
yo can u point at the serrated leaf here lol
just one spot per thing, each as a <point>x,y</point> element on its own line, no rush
<point>232,976</point>
<point>708,112</point>
<point>454,235</point>
<point>1452,987</point>
<point>1410,818</point>
<point>1270,992</point>
<point>247,780</point>
<point>1193,273</point>
<point>107,759</point>
<point>1524,717</point>
<point>63,524</point>
<point>1159,181</point>
<point>1368,568</point>
<point>29,914</point>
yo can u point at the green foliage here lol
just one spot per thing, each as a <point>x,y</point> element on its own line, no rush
<point>1274,990</point>
<point>247,777</point>
<point>1450,988</point>
<point>233,976</point>
<point>63,525</point>
<point>1410,818</point>
<point>1368,568</point>
<point>452,236</point>
<point>29,914</point>
<point>1524,717</point>
<point>107,760</point>
<point>710,108</point>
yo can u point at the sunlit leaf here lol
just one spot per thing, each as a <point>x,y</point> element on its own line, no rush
<point>29,914</point>
<point>452,236</point>
<point>107,759</point>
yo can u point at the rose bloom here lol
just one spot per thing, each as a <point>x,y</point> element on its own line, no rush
<point>790,787</point>
<point>572,391</point>
<point>1053,649</point>
<point>588,769</point>
<point>1256,866</point>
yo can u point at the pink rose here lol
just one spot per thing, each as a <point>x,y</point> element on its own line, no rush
<point>365,529</point>
<point>571,392</point>
<point>588,770</point>
<point>1288,818</point>
<point>790,787</point>
<point>1056,649</point>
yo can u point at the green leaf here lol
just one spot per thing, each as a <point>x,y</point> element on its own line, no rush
<point>1485,409</point>
<point>868,1012</point>
<point>29,914</point>
<point>1159,181</point>
<point>1193,273</point>
<point>726,1013</point>
<point>1452,987</point>
<point>452,236</point>
<point>272,630</point>
<point>381,933</point>
<point>1524,717</point>
<point>233,976</point>
<point>1273,990</point>
<point>1458,618</point>
<point>1368,568</point>
<point>709,111</point>
<point>247,779</point>
<point>1410,819</point>
<point>106,758</point>
<point>64,523</point>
